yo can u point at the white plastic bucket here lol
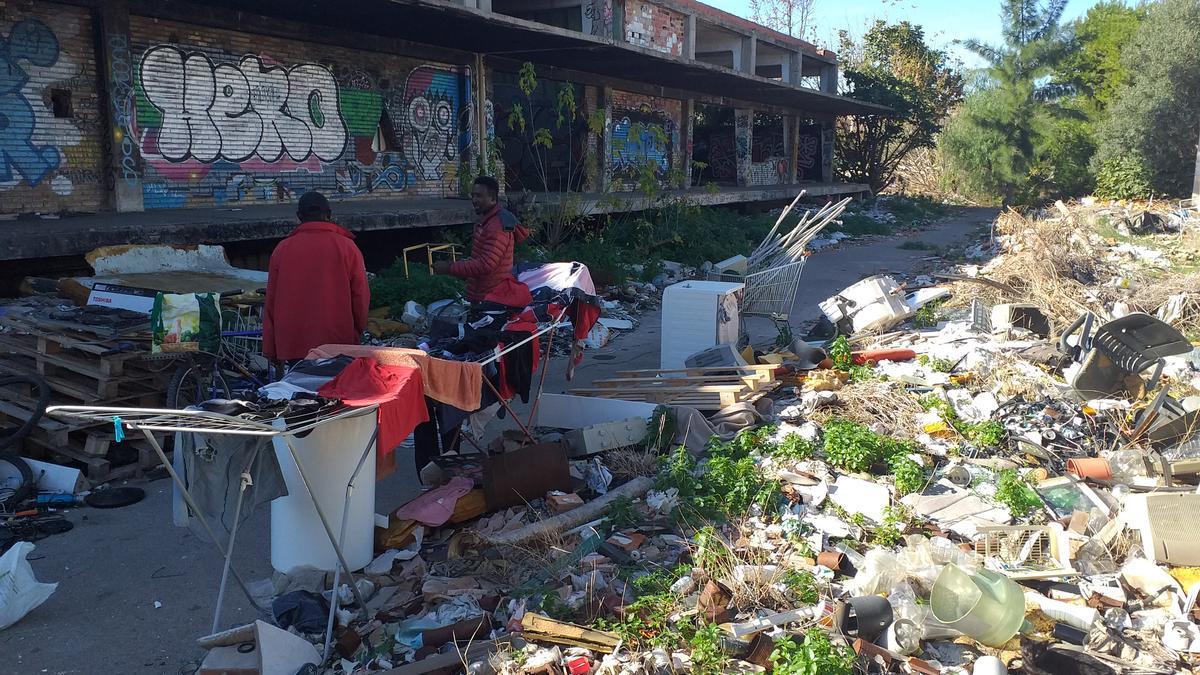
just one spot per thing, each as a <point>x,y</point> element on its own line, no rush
<point>329,454</point>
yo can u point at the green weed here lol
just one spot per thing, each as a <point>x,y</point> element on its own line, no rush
<point>815,656</point>
<point>1012,491</point>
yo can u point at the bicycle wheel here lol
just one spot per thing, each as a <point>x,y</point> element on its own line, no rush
<point>42,394</point>
<point>196,381</point>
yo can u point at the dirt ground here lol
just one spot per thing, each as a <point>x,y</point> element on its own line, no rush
<point>135,592</point>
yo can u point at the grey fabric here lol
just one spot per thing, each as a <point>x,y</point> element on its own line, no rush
<point>693,430</point>
<point>213,470</point>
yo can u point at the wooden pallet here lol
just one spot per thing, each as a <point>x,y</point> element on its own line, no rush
<point>90,447</point>
<point>700,388</point>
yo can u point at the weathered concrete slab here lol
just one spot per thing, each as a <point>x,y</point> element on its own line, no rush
<point>33,237</point>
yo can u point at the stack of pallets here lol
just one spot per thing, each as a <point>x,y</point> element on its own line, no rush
<point>700,388</point>
<point>82,363</point>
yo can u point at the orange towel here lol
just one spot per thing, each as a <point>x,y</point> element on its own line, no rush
<point>455,383</point>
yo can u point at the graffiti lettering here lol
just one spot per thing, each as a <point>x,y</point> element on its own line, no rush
<point>235,112</point>
<point>32,41</point>
<point>120,78</point>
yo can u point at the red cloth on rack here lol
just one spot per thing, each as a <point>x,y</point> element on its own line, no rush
<point>397,390</point>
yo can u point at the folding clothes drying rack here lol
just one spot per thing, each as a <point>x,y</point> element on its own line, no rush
<point>284,427</point>
<point>149,420</point>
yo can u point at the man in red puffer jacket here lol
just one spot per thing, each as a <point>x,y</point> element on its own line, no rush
<point>488,271</point>
<point>317,289</point>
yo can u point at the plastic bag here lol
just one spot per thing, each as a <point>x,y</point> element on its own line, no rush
<point>186,322</point>
<point>20,591</point>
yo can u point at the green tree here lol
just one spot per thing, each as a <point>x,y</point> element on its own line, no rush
<point>892,66</point>
<point>1000,145</point>
<point>1153,124</point>
<point>1093,61</point>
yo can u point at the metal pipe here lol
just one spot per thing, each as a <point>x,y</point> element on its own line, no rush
<point>337,574</point>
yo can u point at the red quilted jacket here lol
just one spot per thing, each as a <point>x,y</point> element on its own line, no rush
<point>489,269</point>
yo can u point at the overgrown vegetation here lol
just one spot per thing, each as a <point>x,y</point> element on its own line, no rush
<point>390,288</point>
<point>1151,122</point>
<point>853,447</point>
<point>892,66</point>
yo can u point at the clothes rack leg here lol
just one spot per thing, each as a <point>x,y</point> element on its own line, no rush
<point>337,574</point>
<point>187,497</point>
<point>507,407</point>
<point>237,521</point>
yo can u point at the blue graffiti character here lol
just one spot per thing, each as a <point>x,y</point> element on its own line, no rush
<point>32,41</point>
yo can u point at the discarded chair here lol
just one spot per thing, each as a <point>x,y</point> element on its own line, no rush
<point>1112,362</point>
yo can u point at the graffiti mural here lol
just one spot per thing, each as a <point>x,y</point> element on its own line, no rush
<point>431,131</point>
<point>238,111</point>
<point>600,14</point>
<point>808,153</point>
<point>640,137</point>
<point>29,41</point>
<point>768,155</point>
<point>217,126</point>
<point>50,123</point>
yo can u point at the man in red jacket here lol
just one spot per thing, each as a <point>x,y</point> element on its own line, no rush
<point>489,269</point>
<point>316,286</point>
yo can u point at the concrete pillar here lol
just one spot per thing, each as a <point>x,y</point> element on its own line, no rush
<point>795,66</point>
<point>749,54</point>
<point>827,140</point>
<point>743,141</point>
<point>689,108</point>
<point>604,152</point>
<point>124,161</point>
<point>791,136</point>
<point>829,78</point>
<point>1196,180</point>
<point>689,37</point>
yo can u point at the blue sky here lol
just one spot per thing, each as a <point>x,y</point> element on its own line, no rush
<point>944,20</point>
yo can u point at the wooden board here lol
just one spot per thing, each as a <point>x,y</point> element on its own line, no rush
<point>700,388</point>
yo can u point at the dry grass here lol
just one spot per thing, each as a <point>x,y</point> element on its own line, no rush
<point>1060,265</point>
<point>874,402</point>
<point>632,461</point>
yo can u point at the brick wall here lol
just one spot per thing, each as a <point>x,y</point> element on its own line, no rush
<point>644,129</point>
<point>278,117</point>
<point>51,157</point>
<point>649,25</point>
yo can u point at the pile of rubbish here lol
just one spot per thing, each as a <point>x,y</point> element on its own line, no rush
<point>997,475</point>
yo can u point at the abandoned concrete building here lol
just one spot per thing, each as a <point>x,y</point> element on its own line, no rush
<point>130,121</point>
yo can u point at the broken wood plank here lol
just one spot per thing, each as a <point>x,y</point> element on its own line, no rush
<point>589,511</point>
<point>473,652</point>
<point>538,628</point>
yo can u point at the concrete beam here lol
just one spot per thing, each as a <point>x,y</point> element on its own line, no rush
<point>28,239</point>
<point>689,108</point>
<point>604,152</point>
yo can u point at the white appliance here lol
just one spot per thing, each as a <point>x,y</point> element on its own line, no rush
<point>697,315</point>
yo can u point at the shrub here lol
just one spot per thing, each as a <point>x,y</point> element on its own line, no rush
<point>390,288</point>
<point>1123,177</point>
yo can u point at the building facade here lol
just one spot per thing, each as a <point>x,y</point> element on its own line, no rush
<point>142,106</point>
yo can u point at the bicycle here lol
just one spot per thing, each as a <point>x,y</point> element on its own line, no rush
<point>203,376</point>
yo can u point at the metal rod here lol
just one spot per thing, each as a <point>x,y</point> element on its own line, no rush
<point>513,413</point>
<point>337,574</point>
<point>237,521</point>
<point>187,497</point>
<point>287,440</point>
<point>545,367</point>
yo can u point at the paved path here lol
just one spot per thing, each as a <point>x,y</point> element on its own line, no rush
<point>114,566</point>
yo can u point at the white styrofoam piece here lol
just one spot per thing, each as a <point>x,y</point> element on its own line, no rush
<point>56,478</point>
<point>861,496</point>
<point>923,296</point>
<point>563,411</point>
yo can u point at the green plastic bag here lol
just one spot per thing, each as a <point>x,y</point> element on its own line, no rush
<point>186,322</point>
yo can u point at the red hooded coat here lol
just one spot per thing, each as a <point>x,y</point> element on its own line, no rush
<point>489,269</point>
<point>317,292</point>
